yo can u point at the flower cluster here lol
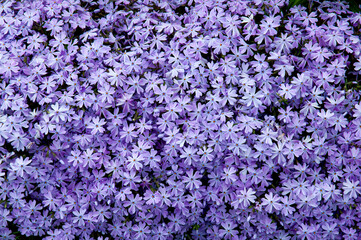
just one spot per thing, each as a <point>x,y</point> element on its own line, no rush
<point>199,119</point>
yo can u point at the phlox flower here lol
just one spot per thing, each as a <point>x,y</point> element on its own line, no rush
<point>244,198</point>
<point>21,165</point>
<point>351,188</point>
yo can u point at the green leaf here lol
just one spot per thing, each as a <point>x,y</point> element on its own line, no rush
<point>354,5</point>
<point>298,2</point>
<point>196,227</point>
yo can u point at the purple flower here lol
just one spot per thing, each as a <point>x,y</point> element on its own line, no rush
<point>80,217</point>
<point>271,202</point>
<point>151,198</point>
<point>244,198</point>
<point>188,119</point>
<point>351,188</point>
<point>133,203</point>
<point>21,165</point>
<point>191,180</point>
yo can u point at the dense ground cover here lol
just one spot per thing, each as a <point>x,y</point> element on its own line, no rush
<point>205,119</point>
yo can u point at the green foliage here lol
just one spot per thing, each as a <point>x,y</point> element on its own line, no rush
<point>354,5</point>
<point>298,2</point>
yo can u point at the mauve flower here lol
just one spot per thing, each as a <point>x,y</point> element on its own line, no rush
<point>143,119</point>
